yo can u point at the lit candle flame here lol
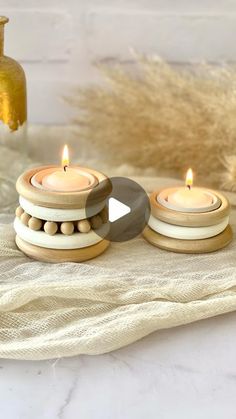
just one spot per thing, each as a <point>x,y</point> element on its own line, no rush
<point>189,178</point>
<point>65,157</point>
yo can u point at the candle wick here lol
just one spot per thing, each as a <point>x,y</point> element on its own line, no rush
<point>189,187</point>
<point>65,167</point>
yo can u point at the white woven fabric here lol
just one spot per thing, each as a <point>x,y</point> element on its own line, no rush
<point>49,311</point>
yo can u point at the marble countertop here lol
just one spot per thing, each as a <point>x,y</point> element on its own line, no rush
<point>185,372</point>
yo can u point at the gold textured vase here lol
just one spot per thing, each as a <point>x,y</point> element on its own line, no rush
<point>13,115</point>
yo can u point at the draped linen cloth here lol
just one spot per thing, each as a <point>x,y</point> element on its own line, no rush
<point>133,289</point>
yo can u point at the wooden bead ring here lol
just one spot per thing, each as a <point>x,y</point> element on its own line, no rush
<point>188,219</point>
<point>60,241</point>
<point>57,214</point>
<point>187,233</point>
<point>63,200</point>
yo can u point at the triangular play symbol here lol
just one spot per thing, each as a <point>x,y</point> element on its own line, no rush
<point>117,209</point>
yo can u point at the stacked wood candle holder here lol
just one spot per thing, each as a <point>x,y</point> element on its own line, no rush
<point>62,226</point>
<point>188,232</point>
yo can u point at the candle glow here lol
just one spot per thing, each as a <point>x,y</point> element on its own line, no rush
<point>65,178</point>
<point>189,178</point>
<point>65,157</point>
<point>189,197</point>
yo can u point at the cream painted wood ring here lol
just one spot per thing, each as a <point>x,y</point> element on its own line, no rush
<point>189,246</point>
<point>51,199</point>
<point>60,241</point>
<point>59,256</point>
<point>188,219</point>
<point>187,233</point>
<point>57,214</point>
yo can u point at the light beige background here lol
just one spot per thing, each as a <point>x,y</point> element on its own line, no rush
<point>57,40</point>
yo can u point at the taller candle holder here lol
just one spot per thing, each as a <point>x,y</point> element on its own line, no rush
<point>55,226</point>
<point>189,230</point>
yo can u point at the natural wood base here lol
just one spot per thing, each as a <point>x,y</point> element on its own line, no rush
<point>189,246</point>
<point>57,256</point>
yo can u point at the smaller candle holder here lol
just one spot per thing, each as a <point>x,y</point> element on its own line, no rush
<point>55,226</point>
<point>189,230</point>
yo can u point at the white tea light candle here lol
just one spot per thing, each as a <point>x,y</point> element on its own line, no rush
<point>68,180</point>
<point>189,198</point>
<point>64,178</point>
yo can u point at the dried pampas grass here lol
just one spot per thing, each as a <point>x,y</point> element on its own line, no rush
<point>229,176</point>
<point>162,118</point>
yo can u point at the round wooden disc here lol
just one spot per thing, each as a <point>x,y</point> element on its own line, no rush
<point>52,199</point>
<point>190,219</point>
<point>189,246</point>
<point>57,256</point>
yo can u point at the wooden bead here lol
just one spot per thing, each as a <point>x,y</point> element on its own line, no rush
<point>35,223</point>
<point>104,215</point>
<point>50,228</point>
<point>96,222</point>
<point>25,218</point>
<point>67,228</point>
<point>19,211</point>
<point>84,226</point>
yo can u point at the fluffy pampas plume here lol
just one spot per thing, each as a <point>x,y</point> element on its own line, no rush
<point>162,117</point>
<point>229,177</point>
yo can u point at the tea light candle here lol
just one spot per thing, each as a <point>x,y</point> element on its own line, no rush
<point>189,197</point>
<point>65,179</point>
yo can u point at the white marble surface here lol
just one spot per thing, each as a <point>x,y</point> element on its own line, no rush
<point>186,372</point>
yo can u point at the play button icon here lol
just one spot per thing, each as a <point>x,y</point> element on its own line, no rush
<point>117,209</point>
<point>128,208</point>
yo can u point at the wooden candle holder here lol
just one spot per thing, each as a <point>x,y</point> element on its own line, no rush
<point>189,232</point>
<point>62,226</point>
